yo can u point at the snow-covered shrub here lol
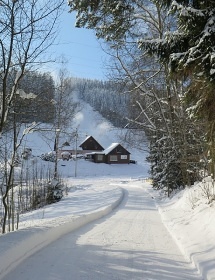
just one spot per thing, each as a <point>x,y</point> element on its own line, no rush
<point>54,191</point>
<point>207,187</point>
<point>50,156</point>
<point>66,155</point>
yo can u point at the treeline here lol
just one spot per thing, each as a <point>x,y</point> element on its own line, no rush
<point>107,97</point>
<point>37,94</point>
<point>32,102</point>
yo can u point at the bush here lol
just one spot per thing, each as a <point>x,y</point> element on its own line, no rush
<point>51,156</point>
<point>54,191</point>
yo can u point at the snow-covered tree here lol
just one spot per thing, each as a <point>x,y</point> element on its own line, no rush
<point>189,50</point>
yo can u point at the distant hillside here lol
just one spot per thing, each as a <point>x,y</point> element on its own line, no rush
<point>86,122</point>
<point>108,98</point>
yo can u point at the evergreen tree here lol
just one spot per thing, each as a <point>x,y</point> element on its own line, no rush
<point>190,48</point>
<point>109,18</point>
<point>190,53</point>
<point>42,88</point>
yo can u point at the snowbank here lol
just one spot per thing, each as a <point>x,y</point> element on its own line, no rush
<point>38,238</point>
<point>190,220</point>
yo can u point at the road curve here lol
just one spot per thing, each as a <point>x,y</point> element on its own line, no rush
<point>130,243</point>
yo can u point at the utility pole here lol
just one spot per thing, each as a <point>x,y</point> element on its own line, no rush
<point>57,135</point>
<point>76,141</point>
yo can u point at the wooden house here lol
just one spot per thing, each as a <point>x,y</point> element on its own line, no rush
<point>91,144</point>
<point>115,153</point>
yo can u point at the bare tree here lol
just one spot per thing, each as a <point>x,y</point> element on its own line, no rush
<point>27,30</point>
<point>65,109</point>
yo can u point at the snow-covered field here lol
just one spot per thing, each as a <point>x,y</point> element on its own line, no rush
<point>112,224</point>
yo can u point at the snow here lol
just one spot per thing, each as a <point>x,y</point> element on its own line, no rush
<point>110,148</point>
<point>24,95</point>
<point>112,224</point>
<point>188,214</point>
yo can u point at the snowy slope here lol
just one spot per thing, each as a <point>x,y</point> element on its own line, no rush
<point>87,122</point>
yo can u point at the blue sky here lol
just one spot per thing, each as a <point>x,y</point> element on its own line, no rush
<point>79,46</point>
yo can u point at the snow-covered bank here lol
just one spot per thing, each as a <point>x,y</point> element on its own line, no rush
<point>17,246</point>
<point>190,219</point>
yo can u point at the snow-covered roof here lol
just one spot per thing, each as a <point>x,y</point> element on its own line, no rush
<point>91,146</point>
<point>85,140</point>
<point>106,151</point>
<point>110,148</point>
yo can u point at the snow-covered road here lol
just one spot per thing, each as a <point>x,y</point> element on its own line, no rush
<point>130,243</point>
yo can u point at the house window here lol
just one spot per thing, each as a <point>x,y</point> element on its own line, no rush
<point>100,157</point>
<point>113,158</point>
<point>124,156</point>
